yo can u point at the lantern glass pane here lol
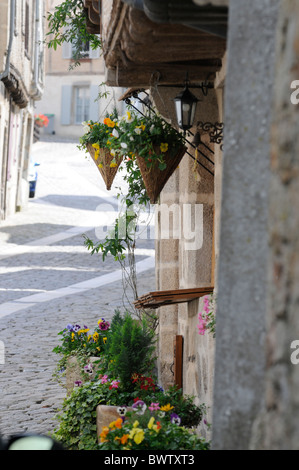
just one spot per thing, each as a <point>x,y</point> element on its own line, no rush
<point>178,108</point>
<point>193,111</point>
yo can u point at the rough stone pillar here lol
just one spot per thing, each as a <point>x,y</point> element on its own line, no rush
<point>281,426</point>
<point>241,306</point>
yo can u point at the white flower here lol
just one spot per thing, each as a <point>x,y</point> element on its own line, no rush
<point>86,127</point>
<point>152,128</point>
<point>112,152</point>
<point>124,145</point>
<point>131,138</point>
<point>137,130</point>
<point>115,133</point>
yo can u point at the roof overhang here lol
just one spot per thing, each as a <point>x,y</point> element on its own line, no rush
<point>140,52</point>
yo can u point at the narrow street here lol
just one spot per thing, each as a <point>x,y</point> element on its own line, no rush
<point>49,279</point>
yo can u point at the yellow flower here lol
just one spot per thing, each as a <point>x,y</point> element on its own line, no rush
<point>104,340</point>
<point>135,424</point>
<point>164,147</point>
<point>137,434</point>
<point>73,337</point>
<point>100,165</point>
<point>167,407</point>
<point>96,155</point>
<point>151,422</point>
<point>96,336</point>
<point>113,165</point>
<point>129,117</point>
<point>96,146</point>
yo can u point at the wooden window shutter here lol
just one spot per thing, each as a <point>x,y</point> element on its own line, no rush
<point>66,105</point>
<point>94,103</point>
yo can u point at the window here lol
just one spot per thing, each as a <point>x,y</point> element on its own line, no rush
<point>69,51</point>
<point>82,104</point>
<point>79,103</point>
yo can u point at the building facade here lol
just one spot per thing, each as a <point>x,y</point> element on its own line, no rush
<point>21,85</point>
<point>71,94</point>
<point>248,374</point>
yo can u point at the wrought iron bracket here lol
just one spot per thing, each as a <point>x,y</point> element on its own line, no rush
<point>214,130</point>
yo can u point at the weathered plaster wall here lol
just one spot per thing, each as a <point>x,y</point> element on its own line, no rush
<point>242,274</point>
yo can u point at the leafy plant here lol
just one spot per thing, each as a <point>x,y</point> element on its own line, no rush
<point>148,136</point>
<point>77,419</point>
<point>191,415</point>
<point>129,350</point>
<point>68,24</point>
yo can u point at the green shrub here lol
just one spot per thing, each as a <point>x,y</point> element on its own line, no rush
<point>129,349</point>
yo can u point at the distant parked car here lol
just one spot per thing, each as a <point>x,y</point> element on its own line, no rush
<point>32,177</point>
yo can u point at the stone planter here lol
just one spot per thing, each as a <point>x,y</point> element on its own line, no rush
<point>75,373</point>
<point>105,415</point>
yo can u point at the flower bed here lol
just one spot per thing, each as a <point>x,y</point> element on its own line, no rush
<point>123,379</point>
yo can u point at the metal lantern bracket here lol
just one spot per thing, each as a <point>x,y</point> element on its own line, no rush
<point>215,131</point>
<point>147,103</point>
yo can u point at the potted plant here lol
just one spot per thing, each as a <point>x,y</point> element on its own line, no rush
<point>41,120</point>
<point>150,428</point>
<point>81,351</point>
<point>155,145</point>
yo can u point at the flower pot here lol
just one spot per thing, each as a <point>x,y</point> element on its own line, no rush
<point>105,415</point>
<point>155,179</point>
<point>103,162</point>
<point>75,373</point>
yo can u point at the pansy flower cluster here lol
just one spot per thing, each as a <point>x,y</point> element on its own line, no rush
<point>81,339</point>
<point>142,427</point>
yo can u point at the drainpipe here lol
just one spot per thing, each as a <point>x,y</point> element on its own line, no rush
<point>11,36</point>
<point>37,88</point>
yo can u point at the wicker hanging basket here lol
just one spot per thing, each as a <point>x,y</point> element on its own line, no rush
<point>105,158</point>
<point>155,179</point>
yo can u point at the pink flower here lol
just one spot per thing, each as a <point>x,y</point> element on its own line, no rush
<point>154,407</point>
<point>114,384</point>
<point>104,379</point>
<point>201,324</point>
<point>206,304</point>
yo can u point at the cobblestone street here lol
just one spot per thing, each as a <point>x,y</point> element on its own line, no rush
<point>49,279</point>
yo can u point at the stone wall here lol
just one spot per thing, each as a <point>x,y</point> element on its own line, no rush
<point>181,264</point>
<point>280,425</point>
<point>243,252</point>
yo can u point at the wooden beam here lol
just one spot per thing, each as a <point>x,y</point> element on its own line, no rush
<point>178,361</point>
<point>159,299</point>
<point>134,76</point>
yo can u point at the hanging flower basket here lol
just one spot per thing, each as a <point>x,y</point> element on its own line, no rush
<point>150,141</point>
<point>105,162</point>
<point>153,177</point>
